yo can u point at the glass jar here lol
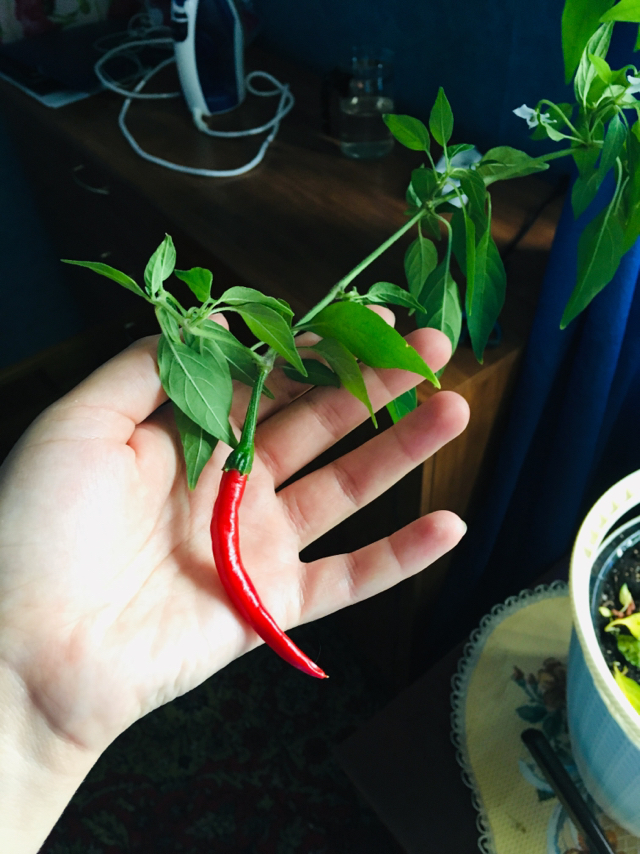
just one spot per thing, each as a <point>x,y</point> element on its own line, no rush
<point>363,133</point>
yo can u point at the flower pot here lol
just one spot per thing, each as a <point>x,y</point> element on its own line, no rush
<point>603,725</point>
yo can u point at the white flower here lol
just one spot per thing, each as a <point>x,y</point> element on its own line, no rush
<point>527,113</point>
<point>634,84</point>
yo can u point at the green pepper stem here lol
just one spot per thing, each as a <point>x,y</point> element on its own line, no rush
<point>241,458</point>
<point>339,287</point>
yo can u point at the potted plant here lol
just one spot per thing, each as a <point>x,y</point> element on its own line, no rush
<point>603,700</point>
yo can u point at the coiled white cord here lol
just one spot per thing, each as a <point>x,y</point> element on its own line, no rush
<point>285,104</point>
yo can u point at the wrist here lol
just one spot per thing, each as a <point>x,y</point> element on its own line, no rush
<point>39,770</point>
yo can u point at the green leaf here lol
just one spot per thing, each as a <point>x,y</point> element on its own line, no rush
<point>598,45</point>
<point>459,148</point>
<point>110,273</point>
<point>629,687</point>
<point>384,293</point>
<point>631,194</point>
<point>585,158</point>
<point>168,323</point>
<point>240,296</point>
<point>317,374</point>
<point>600,249</point>
<point>504,162</point>
<point>200,385</point>
<point>197,445</point>
<point>403,405</point>
<point>424,182</point>
<point>346,367</point>
<point>630,648</point>
<point>580,20</point>
<point>625,10</point>
<point>613,142</point>
<point>369,338</point>
<point>160,266</point>
<point>420,260</point>
<point>470,255</point>
<point>242,361</point>
<point>408,131</point>
<point>488,293</point>
<point>441,304</point>
<point>602,67</point>
<point>474,188</point>
<point>270,326</point>
<point>441,119</point>
<point>199,281</point>
<point>632,623</point>
<point>584,191</point>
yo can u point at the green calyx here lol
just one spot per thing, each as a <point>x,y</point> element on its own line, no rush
<point>241,458</point>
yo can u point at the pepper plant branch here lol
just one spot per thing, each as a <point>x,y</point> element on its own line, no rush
<point>340,286</point>
<point>241,458</point>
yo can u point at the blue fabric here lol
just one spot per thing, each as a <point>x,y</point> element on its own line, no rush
<point>572,432</point>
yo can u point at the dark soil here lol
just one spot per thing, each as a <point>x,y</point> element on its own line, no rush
<point>626,570</point>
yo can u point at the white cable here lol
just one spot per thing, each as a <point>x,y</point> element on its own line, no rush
<point>285,104</point>
<point>122,48</point>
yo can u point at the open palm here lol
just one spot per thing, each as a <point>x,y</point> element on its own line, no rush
<point>109,601</point>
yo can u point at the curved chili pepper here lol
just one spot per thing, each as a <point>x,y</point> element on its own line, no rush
<point>225,539</point>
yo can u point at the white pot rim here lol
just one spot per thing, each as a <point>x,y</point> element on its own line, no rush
<point>610,507</point>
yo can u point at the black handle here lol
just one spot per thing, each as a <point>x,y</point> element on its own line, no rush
<point>566,791</point>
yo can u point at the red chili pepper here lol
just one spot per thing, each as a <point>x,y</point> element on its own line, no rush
<point>225,539</point>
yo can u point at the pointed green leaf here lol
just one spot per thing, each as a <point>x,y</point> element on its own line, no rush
<point>613,143</point>
<point>365,334</point>
<point>168,323</point>
<point>240,295</point>
<point>504,162</point>
<point>600,249</point>
<point>631,194</point>
<point>197,445</point>
<point>346,367</point>
<point>598,45</point>
<point>384,293</point>
<point>160,266</point>
<point>441,304</point>
<point>200,385</point>
<point>110,273</point>
<point>580,20</point>
<point>403,405</point>
<point>602,67</point>
<point>408,131</point>
<point>488,297</point>
<point>199,281</point>
<point>475,190</point>
<point>270,326</point>
<point>420,260</point>
<point>425,183</point>
<point>459,148</point>
<point>630,649</point>
<point>632,622</point>
<point>470,255</point>
<point>630,687</point>
<point>441,119</point>
<point>242,361</point>
<point>317,374</point>
<point>625,10</point>
<point>584,191</point>
<point>586,158</point>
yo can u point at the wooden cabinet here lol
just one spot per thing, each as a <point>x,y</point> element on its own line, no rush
<point>292,227</point>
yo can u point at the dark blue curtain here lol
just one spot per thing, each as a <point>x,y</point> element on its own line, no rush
<point>573,430</point>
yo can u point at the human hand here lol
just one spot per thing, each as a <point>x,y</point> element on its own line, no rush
<point>109,602</point>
